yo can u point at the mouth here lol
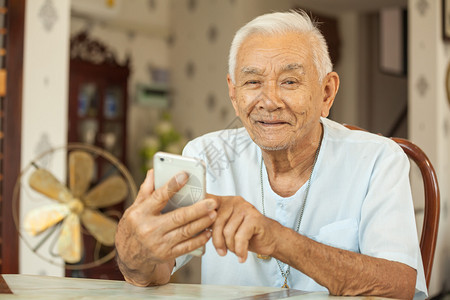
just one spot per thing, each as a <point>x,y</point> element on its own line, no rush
<point>271,122</point>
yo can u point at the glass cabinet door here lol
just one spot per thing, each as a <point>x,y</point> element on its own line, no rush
<point>88,131</point>
<point>87,111</point>
<point>113,102</point>
<point>88,100</point>
<point>112,138</point>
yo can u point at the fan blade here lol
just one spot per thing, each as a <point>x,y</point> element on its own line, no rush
<point>45,183</point>
<point>100,226</point>
<point>69,240</point>
<point>40,219</point>
<point>109,192</point>
<point>81,169</point>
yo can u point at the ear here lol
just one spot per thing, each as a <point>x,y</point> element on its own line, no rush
<point>232,93</point>
<point>330,87</point>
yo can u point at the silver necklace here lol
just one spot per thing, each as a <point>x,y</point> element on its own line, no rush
<point>302,209</point>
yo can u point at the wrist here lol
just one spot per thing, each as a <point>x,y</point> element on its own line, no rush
<point>283,241</point>
<point>135,276</point>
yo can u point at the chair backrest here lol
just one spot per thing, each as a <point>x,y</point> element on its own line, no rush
<point>432,201</point>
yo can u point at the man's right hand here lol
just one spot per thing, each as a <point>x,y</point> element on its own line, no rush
<point>148,242</point>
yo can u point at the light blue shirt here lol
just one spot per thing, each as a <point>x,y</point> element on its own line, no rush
<point>359,200</point>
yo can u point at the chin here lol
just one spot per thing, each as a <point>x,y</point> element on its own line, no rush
<point>273,146</point>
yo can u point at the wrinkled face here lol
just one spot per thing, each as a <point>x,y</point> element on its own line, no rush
<point>277,93</point>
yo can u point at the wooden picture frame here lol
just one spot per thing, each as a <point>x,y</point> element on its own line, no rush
<point>446,20</point>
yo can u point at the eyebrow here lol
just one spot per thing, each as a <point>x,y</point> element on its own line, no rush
<point>251,70</point>
<point>289,67</point>
<point>294,66</point>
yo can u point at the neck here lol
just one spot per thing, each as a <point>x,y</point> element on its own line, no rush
<point>288,170</point>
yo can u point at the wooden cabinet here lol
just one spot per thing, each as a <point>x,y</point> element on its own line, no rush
<point>98,99</point>
<point>98,106</point>
<point>97,116</point>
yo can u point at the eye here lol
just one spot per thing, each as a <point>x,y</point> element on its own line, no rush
<point>252,82</point>
<point>289,81</point>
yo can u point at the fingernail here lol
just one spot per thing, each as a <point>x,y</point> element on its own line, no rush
<point>212,214</point>
<point>221,252</point>
<point>241,260</point>
<point>181,178</point>
<point>208,233</point>
<point>148,174</point>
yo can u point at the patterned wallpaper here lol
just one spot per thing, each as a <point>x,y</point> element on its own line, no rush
<point>45,80</point>
<point>429,115</point>
<point>201,35</point>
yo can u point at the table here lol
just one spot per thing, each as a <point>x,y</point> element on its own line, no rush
<point>15,286</point>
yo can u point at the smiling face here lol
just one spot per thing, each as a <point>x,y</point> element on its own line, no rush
<point>277,93</point>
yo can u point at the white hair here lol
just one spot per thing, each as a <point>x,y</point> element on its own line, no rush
<point>280,23</point>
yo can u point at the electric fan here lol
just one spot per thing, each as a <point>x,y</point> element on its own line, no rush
<point>61,215</point>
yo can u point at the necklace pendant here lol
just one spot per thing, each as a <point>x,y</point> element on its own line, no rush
<point>285,285</point>
<point>265,257</point>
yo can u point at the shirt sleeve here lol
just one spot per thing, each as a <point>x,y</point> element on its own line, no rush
<point>387,227</point>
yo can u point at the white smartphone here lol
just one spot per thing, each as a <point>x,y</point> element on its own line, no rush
<point>167,165</point>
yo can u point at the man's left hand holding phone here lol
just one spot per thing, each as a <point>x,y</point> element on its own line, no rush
<point>148,241</point>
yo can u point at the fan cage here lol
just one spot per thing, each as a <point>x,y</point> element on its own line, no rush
<point>55,259</point>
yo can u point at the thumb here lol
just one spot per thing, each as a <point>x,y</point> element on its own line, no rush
<point>147,187</point>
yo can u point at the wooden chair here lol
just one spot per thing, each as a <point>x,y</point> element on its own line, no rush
<point>432,201</point>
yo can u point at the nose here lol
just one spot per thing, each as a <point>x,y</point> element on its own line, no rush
<point>270,98</point>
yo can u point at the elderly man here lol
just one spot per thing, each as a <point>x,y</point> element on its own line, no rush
<point>306,204</point>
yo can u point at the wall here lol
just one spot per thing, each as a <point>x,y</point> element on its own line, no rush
<point>202,32</point>
<point>346,105</point>
<point>44,114</point>
<point>429,114</point>
<point>383,95</point>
